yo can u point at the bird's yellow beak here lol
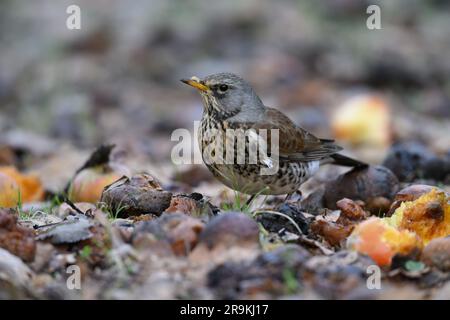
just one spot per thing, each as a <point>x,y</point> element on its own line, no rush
<point>195,82</point>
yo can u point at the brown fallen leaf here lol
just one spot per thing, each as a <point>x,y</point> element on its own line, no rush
<point>183,204</point>
<point>16,239</point>
<point>351,212</point>
<point>192,204</point>
<point>336,232</point>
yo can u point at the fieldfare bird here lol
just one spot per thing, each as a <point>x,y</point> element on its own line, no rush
<point>231,105</point>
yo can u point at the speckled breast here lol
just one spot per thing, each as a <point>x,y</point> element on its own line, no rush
<point>246,176</point>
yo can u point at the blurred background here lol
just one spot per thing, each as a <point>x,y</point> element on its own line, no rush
<point>63,92</point>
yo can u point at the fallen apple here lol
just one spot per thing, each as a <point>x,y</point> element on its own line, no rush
<point>428,215</point>
<point>380,241</point>
<point>99,171</point>
<point>16,187</point>
<point>88,184</point>
<point>9,191</point>
<point>363,119</point>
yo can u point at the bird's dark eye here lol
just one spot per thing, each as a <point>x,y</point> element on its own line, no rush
<point>223,87</point>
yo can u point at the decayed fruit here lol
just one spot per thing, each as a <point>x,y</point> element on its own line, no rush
<point>381,241</point>
<point>413,225</point>
<point>15,187</point>
<point>437,254</point>
<point>9,191</point>
<point>428,216</point>
<point>363,119</point>
<point>412,192</point>
<point>88,185</point>
<point>98,172</point>
<point>409,193</point>
<point>140,194</point>
<point>367,184</point>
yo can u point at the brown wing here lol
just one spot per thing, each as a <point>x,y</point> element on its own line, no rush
<point>295,143</point>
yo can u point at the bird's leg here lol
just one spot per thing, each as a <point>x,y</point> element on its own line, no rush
<point>290,195</point>
<point>249,201</point>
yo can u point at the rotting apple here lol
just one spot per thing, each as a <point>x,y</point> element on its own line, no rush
<point>381,241</point>
<point>88,184</point>
<point>428,215</point>
<point>363,119</point>
<point>16,187</point>
<point>9,191</point>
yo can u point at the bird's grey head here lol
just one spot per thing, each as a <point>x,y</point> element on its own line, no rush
<point>227,95</point>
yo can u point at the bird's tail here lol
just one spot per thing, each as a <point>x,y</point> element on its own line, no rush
<point>341,160</point>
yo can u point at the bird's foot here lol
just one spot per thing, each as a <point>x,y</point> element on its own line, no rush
<point>293,197</point>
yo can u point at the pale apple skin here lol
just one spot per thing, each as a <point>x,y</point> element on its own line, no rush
<point>88,185</point>
<point>363,119</point>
